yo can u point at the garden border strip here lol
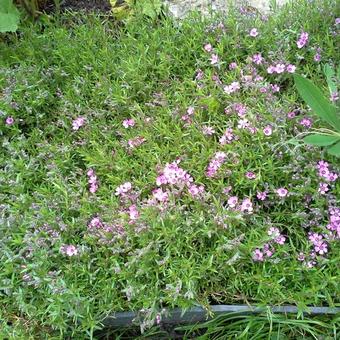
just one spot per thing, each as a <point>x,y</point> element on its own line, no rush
<point>198,314</point>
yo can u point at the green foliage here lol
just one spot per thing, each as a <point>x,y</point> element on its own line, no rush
<point>9,16</point>
<point>128,9</point>
<point>271,326</point>
<point>315,99</point>
<point>195,251</point>
<point>321,106</point>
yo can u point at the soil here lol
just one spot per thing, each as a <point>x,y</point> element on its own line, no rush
<point>81,5</point>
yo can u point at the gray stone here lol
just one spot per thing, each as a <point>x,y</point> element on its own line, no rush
<point>180,8</point>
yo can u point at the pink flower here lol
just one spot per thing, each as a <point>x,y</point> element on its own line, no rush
<point>291,115</point>
<point>257,59</point>
<point>290,68</point>
<point>323,188</point>
<point>250,175</point>
<point>334,97</point>
<point>9,120</point>
<point>282,192</point>
<point>301,257</point>
<point>337,21</point>
<point>214,59</point>
<point>233,87</point>
<point>271,69</point>
<point>303,40</point>
<point>207,130</point>
<point>315,238</point>
<point>128,123</point>
<point>227,189</point>
<point>195,190</point>
<point>208,48</point>
<point>280,239</point>
<point>261,195</point>
<point>227,137</point>
<point>78,123</point>
<point>268,130</point>
<point>306,122</point>
<point>69,250</point>
<point>247,205</point>
<point>133,212</point>
<point>275,88</point>
<point>253,32</point>
<point>240,109</point>
<point>258,255</point>
<point>199,75</point>
<point>321,248</point>
<point>232,201</point>
<point>92,181</point>
<point>280,68</point>
<point>123,188</point>
<point>160,195</point>
<point>215,163</point>
<point>275,232</point>
<point>190,110</point>
<point>317,57</point>
<point>95,223</point>
<point>93,188</point>
<point>232,66</point>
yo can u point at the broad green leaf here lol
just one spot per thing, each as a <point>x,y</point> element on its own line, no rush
<point>330,76</point>
<point>334,149</point>
<point>316,100</point>
<point>321,140</point>
<point>9,16</point>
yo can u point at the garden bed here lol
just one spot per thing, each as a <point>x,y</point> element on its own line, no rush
<point>159,165</point>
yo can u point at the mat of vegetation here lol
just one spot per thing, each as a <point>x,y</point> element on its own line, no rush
<point>161,164</point>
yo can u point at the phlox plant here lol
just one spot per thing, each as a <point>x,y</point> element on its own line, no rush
<point>157,164</point>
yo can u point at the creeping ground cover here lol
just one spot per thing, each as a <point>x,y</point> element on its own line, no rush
<point>162,164</point>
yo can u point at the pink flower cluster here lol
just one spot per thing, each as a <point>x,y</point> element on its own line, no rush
<point>324,172</point>
<point>133,213</point>
<point>276,235</point>
<point>78,123</point>
<point>214,59</point>
<point>215,163</point>
<point>92,180</point>
<point>281,68</point>
<point>257,59</point>
<point>174,175</point>
<point>246,206</point>
<point>268,249</point>
<point>188,116</point>
<point>318,242</point>
<point>123,189</point>
<point>334,221</point>
<point>233,87</point>
<point>69,250</point>
<point>227,137</point>
<point>303,40</point>
<point>240,109</point>
<point>129,123</point>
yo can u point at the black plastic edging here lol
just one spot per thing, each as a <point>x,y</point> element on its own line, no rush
<point>199,314</point>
